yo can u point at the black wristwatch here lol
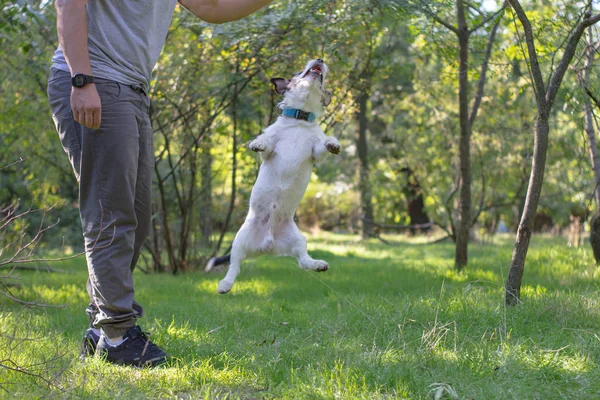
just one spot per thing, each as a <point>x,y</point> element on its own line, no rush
<point>80,80</point>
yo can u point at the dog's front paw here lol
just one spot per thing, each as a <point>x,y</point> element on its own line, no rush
<point>258,146</point>
<point>224,286</point>
<point>333,147</point>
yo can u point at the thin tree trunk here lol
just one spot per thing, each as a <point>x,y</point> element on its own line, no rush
<point>155,249</point>
<point>590,131</point>
<point>477,103</point>
<point>233,170</point>
<point>593,148</point>
<point>362,147</point>
<point>188,210</point>
<point>166,228</point>
<point>517,265</point>
<point>464,225</point>
<point>544,99</point>
<point>206,195</point>
<point>460,232</point>
<point>589,118</point>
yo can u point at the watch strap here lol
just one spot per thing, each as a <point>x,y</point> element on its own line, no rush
<point>80,80</point>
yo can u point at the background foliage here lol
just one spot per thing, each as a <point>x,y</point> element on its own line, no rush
<point>211,95</point>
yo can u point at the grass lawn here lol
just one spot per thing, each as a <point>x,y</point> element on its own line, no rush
<point>384,322</point>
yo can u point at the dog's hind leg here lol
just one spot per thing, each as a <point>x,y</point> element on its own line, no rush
<point>269,240</point>
<point>237,256</point>
<point>298,249</point>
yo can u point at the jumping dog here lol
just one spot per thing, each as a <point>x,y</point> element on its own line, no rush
<point>288,148</point>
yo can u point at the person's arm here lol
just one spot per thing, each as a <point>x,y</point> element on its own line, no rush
<point>220,11</point>
<point>72,26</point>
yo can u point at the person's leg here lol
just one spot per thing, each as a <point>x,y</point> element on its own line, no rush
<point>134,346</point>
<point>107,194</point>
<point>69,132</point>
<point>143,187</point>
<point>105,163</point>
<point>113,166</point>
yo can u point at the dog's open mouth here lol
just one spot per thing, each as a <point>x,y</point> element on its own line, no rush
<point>314,70</point>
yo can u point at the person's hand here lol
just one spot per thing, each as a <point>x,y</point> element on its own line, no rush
<point>86,106</point>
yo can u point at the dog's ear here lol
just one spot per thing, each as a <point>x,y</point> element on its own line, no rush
<point>326,98</point>
<point>280,84</point>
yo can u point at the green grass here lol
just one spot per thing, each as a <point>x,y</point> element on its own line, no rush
<point>384,322</point>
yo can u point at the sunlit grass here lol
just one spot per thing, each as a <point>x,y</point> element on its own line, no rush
<point>386,321</point>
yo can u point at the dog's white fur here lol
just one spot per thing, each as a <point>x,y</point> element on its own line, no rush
<point>289,148</point>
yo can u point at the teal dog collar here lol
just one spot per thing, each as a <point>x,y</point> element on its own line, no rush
<point>299,114</point>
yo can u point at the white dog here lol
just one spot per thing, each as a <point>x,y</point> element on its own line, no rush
<point>288,149</point>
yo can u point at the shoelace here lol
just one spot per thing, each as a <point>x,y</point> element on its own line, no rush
<point>143,336</point>
<point>148,344</point>
<point>147,337</point>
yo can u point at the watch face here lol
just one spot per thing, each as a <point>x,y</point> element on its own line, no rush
<point>79,80</point>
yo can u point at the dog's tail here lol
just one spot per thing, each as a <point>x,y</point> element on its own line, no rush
<point>213,262</point>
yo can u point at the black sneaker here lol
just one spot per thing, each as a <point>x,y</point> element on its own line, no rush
<point>88,346</point>
<point>136,350</point>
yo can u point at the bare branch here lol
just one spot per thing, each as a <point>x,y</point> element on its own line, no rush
<point>445,229</point>
<point>474,8</point>
<point>425,8</point>
<point>20,160</point>
<point>482,75</point>
<point>536,72</point>
<point>10,214</point>
<point>449,208</point>
<point>38,370</point>
<point>568,54</point>
<point>591,95</point>
<point>398,227</point>
<point>44,268</point>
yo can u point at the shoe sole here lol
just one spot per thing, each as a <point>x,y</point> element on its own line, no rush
<point>154,362</point>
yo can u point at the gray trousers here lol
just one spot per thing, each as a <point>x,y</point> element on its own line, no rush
<point>113,166</point>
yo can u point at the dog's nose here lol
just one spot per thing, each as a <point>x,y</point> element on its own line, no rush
<point>319,60</point>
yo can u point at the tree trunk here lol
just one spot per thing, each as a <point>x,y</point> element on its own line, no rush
<point>517,265</point>
<point>188,207</point>
<point>595,236</point>
<point>364,183</point>
<point>174,264</point>
<point>460,233</point>
<point>544,99</point>
<point>464,225</point>
<point>155,248</point>
<point>233,169</point>
<point>206,195</point>
<point>593,147</point>
<point>415,202</point>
